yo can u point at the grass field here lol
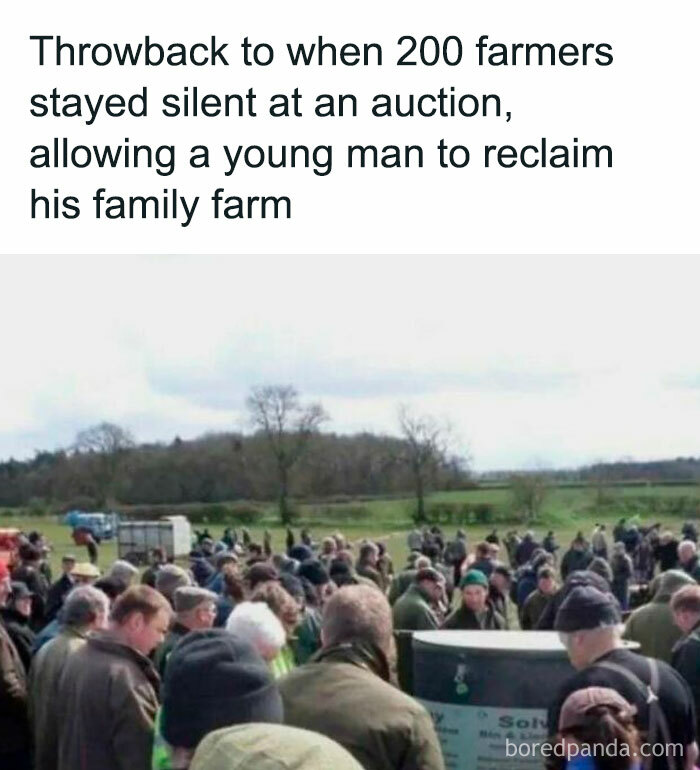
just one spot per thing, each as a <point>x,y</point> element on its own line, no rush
<point>565,510</point>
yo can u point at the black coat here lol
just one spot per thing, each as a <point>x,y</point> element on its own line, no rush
<point>56,596</point>
<point>17,627</point>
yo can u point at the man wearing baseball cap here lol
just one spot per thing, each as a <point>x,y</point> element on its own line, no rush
<point>589,625</point>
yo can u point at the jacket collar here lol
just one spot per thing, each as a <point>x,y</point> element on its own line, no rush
<point>357,653</point>
<point>105,641</point>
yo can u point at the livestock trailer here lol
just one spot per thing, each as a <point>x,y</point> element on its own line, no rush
<point>137,539</point>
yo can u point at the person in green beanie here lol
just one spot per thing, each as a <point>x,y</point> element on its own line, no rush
<point>475,611</point>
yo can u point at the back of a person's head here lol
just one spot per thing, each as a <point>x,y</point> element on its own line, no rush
<point>142,599</point>
<point>82,606</point>
<point>270,747</point>
<point>585,577</point>
<point>279,601</point>
<point>215,679</point>
<point>357,614</point>
<point>29,552</point>
<point>111,585</point>
<point>600,566</point>
<point>603,726</point>
<point>123,570</point>
<point>686,599</point>
<point>257,624</point>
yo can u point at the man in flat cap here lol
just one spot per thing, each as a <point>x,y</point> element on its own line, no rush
<point>195,608</point>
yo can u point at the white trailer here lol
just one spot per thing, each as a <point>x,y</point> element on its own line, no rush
<point>137,539</point>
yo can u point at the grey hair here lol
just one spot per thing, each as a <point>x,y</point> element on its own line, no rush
<point>566,637</point>
<point>123,570</point>
<point>258,624</point>
<point>82,605</point>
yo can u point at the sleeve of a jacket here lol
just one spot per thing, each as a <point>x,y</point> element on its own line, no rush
<point>13,690</point>
<point>425,753</point>
<point>427,621</point>
<point>133,708</point>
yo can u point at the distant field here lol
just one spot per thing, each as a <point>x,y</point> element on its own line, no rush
<point>565,510</point>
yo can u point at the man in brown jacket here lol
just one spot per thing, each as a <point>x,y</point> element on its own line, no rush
<point>84,610</point>
<point>14,722</point>
<point>108,694</point>
<point>345,694</point>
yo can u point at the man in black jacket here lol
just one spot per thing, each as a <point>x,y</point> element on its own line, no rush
<point>60,589</point>
<point>15,617</point>
<point>588,623</point>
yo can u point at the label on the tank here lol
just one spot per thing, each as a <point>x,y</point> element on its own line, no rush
<point>488,737</point>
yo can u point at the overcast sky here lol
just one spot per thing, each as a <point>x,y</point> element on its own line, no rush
<point>550,361</point>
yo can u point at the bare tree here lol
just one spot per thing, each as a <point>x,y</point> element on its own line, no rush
<point>288,426</point>
<point>108,445</point>
<point>427,443</point>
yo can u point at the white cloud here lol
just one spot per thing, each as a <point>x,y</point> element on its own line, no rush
<point>567,359</point>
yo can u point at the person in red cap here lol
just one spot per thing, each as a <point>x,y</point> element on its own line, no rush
<point>15,734</point>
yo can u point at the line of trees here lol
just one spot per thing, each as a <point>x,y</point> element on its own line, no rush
<point>284,456</point>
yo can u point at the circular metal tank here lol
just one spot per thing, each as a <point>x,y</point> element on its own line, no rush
<point>486,688</point>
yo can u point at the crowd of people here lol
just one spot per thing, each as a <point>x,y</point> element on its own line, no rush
<point>247,657</point>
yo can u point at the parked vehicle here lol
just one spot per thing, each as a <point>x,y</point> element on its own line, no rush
<point>102,526</point>
<point>137,539</point>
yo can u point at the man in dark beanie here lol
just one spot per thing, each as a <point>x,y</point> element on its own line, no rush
<point>313,571</point>
<point>300,553</point>
<point>258,573</point>
<point>341,573</point>
<point>214,679</point>
<point>314,577</point>
<point>578,578</point>
<point>589,625</point>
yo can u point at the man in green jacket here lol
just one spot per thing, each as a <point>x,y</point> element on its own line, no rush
<point>535,603</point>
<point>652,624</point>
<point>345,693</point>
<point>414,610</point>
<point>475,611</point>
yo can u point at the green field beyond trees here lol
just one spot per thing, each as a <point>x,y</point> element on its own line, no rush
<point>564,508</point>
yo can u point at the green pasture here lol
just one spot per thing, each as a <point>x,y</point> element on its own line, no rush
<point>566,510</point>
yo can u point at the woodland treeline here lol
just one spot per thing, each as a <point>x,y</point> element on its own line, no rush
<point>222,467</point>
